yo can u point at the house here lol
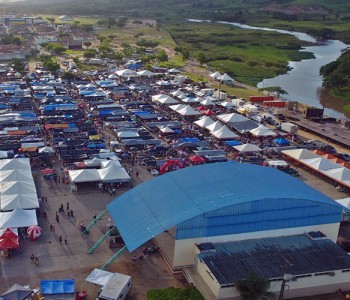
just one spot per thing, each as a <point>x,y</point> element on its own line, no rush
<point>72,43</point>
<point>65,18</point>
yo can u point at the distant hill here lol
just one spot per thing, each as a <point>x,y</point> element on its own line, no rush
<point>165,10</point>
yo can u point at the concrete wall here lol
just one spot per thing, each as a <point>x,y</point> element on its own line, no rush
<point>184,254</point>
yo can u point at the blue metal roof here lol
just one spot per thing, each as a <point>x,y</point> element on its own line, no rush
<point>173,198</point>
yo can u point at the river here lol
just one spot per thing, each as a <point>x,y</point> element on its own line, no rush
<point>303,82</point>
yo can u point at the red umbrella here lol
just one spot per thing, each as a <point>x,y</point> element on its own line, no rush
<point>34,232</point>
<point>47,171</point>
<point>196,159</point>
<point>202,107</point>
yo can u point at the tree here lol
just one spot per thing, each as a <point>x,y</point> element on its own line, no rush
<point>56,48</point>
<point>51,65</point>
<point>172,293</point>
<point>162,56</point>
<point>185,53</point>
<point>201,57</point>
<point>254,287</point>
<point>68,75</point>
<point>18,65</point>
<point>111,22</point>
<point>87,44</point>
<point>90,53</point>
<point>11,39</point>
<point>52,20</point>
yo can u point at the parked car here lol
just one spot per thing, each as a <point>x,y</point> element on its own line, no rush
<point>319,145</point>
<point>343,156</point>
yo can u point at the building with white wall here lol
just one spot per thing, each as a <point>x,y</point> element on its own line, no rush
<point>221,203</point>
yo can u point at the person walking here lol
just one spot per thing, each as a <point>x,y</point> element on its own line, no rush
<point>137,174</point>
<point>36,261</point>
<point>67,205</point>
<point>65,240</point>
<point>32,258</point>
<point>60,239</point>
<point>51,227</point>
<point>57,217</point>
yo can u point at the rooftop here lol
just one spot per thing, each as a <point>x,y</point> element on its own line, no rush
<point>268,257</point>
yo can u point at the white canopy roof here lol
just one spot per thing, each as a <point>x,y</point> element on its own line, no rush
<point>17,187</point>
<point>113,174</point>
<point>15,175</point>
<point>207,102</point>
<point>126,73</point>
<point>204,122</point>
<point>247,148</point>
<point>262,131</point>
<point>107,163</point>
<point>15,164</point>
<point>341,174</point>
<point>174,71</point>
<point>232,118</point>
<point>156,97</point>
<point>227,104</point>
<point>46,150</point>
<point>178,93</point>
<point>224,133</point>
<point>321,163</point>
<point>85,175</point>
<point>167,100</point>
<point>18,218</point>
<point>184,110</point>
<point>277,163</point>
<point>300,154</point>
<point>214,126</point>
<point>99,277</point>
<point>145,73</point>
<point>166,129</point>
<point>24,201</point>
<point>225,77</point>
<point>189,100</point>
<point>215,75</point>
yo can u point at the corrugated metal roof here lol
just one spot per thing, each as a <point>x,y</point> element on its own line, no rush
<point>268,258</point>
<point>170,199</point>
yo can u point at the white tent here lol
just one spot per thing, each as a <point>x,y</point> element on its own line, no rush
<point>99,277</point>
<point>204,122</point>
<point>156,97</point>
<point>189,100</point>
<point>18,218</point>
<point>225,78</point>
<point>46,150</point>
<point>166,129</point>
<point>3,154</point>
<point>232,118</point>
<point>107,163</point>
<point>163,83</point>
<point>262,131</point>
<point>215,75</point>
<point>166,100</point>
<point>300,154</point>
<point>15,175</point>
<point>113,174</point>
<point>126,73</point>
<point>86,175</point>
<point>127,134</point>
<point>320,163</point>
<point>145,73</point>
<point>341,174</point>
<point>15,164</point>
<point>178,93</point>
<point>174,71</point>
<point>227,104</point>
<point>188,111</point>
<point>177,107</point>
<point>247,148</point>
<point>24,201</point>
<point>276,163</point>
<point>224,133</point>
<point>214,127</point>
<point>17,187</point>
<point>207,102</point>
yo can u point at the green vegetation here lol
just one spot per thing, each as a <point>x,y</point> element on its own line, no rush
<point>56,48</point>
<point>188,293</point>
<point>18,65</point>
<point>249,56</point>
<point>336,77</point>
<point>254,288</point>
<point>10,39</point>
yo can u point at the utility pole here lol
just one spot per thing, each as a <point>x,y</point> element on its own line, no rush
<point>286,277</point>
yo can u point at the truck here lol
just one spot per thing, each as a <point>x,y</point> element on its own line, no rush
<point>289,127</point>
<point>116,288</point>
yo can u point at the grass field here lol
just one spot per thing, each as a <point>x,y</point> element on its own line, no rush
<point>248,55</point>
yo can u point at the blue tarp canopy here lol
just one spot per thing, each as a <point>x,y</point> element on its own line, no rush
<point>105,113</point>
<point>52,287</point>
<point>232,143</point>
<point>281,142</point>
<point>189,140</point>
<point>141,112</point>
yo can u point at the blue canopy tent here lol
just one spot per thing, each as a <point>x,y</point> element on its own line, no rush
<point>54,287</point>
<point>232,143</point>
<point>281,142</point>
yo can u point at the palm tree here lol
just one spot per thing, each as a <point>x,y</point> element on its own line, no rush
<point>254,287</point>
